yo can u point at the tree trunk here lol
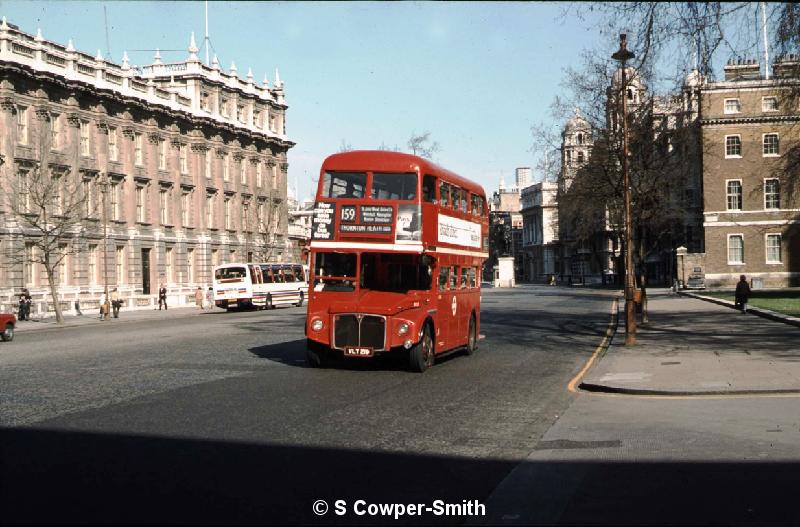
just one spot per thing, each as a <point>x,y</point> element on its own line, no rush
<point>53,292</point>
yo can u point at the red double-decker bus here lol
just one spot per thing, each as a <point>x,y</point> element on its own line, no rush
<point>397,247</point>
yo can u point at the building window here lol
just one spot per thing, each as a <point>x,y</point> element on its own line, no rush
<point>580,158</point>
<point>168,267</point>
<point>245,219</point>
<point>260,213</point>
<point>214,257</point>
<point>140,204</point>
<point>240,113</point>
<point>208,164</point>
<point>55,132</point>
<point>733,106</point>
<point>85,146</point>
<point>22,125</point>
<point>272,123</point>
<point>138,158</point>
<point>93,254</point>
<point>225,167</point>
<point>734,194</point>
<point>569,157</point>
<point>733,146</point>
<point>771,145</point>
<point>30,265</point>
<point>88,197</point>
<point>258,174</point>
<point>210,211</point>
<point>769,104</point>
<point>120,263</point>
<point>113,152</point>
<point>183,155</point>
<point>186,198</point>
<point>773,245</point>
<point>228,213</point>
<point>163,201</point>
<point>115,205</point>
<point>243,171</point>
<point>190,265</point>
<point>772,194</point>
<point>735,249</point>
<point>162,154</point>
<point>205,101</point>
<point>223,107</point>
<point>274,169</point>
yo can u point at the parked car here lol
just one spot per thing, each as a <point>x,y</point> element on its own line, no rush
<point>7,324</point>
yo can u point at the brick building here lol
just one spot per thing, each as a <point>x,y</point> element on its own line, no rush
<point>184,165</point>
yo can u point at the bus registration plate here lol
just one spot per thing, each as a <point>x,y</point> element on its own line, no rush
<point>358,352</point>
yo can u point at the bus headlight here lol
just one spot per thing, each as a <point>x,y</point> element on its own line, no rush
<point>317,324</point>
<point>402,329</point>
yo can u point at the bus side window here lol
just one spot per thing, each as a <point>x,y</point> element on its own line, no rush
<point>462,284</point>
<point>429,189</point>
<point>453,278</point>
<point>443,272</point>
<point>472,277</point>
<point>298,272</point>
<point>454,196</point>
<point>444,194</point>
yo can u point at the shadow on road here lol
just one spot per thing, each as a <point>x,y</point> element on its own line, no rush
<point>59,477</point>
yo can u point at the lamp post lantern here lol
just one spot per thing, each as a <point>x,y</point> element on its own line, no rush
<point>623,55</point>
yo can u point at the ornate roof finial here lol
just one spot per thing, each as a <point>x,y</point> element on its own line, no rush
<point>4,25</point>
<point>99,57</point>
<point>278,82</point>
<point>70,47</point>
<point>233,70</point>
<point>125,64</point>
<point>266,81</point>
<point>157,57</point>
<point>249,76</point>
<point>193,50</point>
<point>39,37</point>
<point>215,62</point>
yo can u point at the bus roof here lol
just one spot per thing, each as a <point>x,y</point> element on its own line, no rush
<point>379,160</point>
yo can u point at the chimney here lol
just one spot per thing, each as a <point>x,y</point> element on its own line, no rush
<point>742,70</point>
<point>786,66</point>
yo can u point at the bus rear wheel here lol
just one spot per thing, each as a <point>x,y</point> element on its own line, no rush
<point>472,337</point>
<point>421,356</point>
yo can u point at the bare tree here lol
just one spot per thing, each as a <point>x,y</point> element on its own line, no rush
<point>48,206</point>
<point>345,146</point>
<point>422,145</point>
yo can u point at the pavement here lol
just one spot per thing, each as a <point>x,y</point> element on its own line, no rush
<point>92,317</point>
<point>695,345</point>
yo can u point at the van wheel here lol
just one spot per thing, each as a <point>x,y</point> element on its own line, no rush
<point>300,302</point>
<point>421,357</point>
<point>8,334</point>
<point>472,337</point>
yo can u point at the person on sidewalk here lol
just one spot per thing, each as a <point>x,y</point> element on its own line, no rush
<point>22,305</point>
<point>162,297</point>
<point>742,294</point>
<point>198,297</point>
<point>78,308</point>
<point>210,298</point>
<point>116,303</point>
<point>104,306</point>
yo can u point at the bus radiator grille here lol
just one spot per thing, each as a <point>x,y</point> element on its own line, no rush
<point>349,331</point>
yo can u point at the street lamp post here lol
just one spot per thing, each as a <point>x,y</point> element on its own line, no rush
<point>623,55</point>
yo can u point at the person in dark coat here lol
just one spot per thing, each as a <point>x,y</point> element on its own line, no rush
<point>162,297</point>
<point>742,293</point>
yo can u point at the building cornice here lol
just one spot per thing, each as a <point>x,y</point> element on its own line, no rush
<point>760,119</point>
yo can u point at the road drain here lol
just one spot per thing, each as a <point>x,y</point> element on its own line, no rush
<point>568,444</point>
<point>670,363</point>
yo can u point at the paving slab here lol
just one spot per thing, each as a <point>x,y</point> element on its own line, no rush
<point>693,346</point>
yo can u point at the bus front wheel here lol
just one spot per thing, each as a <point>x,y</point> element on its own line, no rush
<point>421,355</point>
<point>315,357</point>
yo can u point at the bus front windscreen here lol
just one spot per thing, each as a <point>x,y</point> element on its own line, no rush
<point>335,271</point>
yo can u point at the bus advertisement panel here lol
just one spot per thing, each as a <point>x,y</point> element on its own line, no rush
<point>396,253</point>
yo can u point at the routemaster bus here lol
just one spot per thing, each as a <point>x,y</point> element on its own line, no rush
<point>397,247</point>
<point>260,285</point>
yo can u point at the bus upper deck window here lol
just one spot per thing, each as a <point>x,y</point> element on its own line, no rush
<point>344,184</point>
<point>455,197</point>
<point>444,194</point>
<point>400,186</point>
<point>429,189</point>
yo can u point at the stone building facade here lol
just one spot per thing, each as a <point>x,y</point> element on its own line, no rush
<point>750,142</point>
<point>184,165</point>
<point>540,242</point>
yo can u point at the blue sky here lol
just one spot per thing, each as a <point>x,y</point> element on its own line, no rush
<point>475,75</point>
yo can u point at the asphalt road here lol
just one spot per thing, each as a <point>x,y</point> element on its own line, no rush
<point>214,418</point>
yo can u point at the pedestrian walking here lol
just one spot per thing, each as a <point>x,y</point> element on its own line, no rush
<point>742,294</point>
<point>162,297</point>
<point>116,303</point>
<point>21,313</point>
<point>104,306</point>
<point>26,303</point>
<point>78,308</point>
<point>210,298</point>
<point>198,297</point>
